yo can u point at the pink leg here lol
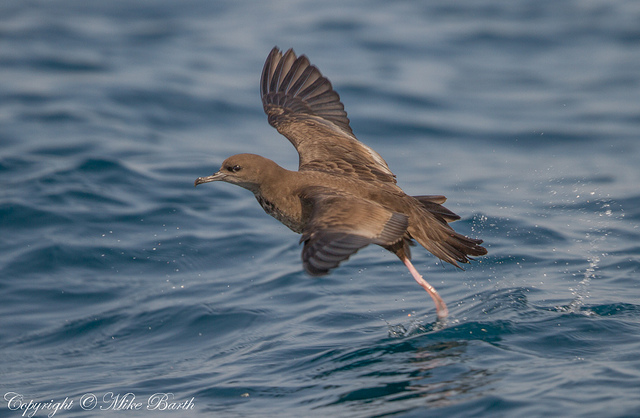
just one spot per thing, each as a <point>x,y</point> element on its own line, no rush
<point>441,307</point>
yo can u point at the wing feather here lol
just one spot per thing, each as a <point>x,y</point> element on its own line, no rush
<point>340,224</point>
<point>302,105</point>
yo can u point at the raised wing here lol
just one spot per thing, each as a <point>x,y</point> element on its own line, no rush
<point>340,224</point>
<point>302,105</point>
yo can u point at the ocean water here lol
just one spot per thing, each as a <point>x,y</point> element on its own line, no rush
<point>124,289</point>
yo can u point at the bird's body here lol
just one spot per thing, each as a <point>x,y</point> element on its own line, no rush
<point>343,196</point>
<point>280,189</point>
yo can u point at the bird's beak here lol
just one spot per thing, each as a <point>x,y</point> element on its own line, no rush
<point>216,177</point>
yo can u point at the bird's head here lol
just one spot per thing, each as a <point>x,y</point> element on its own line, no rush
<point>245,170</point>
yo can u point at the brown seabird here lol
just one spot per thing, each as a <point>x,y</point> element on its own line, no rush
<point>343,196</point>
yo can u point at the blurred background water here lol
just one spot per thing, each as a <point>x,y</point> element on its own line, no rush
<point>117,276</point>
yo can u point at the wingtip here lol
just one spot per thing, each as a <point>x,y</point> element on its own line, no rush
<point>292,81</point>
<point>313,271</point>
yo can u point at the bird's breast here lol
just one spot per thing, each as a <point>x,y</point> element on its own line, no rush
<point>288,214</point>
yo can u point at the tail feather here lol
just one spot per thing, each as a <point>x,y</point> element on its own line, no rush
<point>441,240</point>
<point>433,203</point>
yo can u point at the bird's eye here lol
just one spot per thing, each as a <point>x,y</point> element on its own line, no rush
<point>234,168</point>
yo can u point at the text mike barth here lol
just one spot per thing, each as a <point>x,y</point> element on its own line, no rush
<point>110,401</point>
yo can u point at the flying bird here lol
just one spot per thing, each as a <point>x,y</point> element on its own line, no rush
<point>343,196</point>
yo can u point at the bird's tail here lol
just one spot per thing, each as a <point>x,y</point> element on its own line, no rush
<point>429,226</point>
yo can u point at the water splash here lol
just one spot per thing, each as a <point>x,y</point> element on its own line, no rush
<point>595,238</point>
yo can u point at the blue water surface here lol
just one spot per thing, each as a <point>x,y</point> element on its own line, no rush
<point>121,283</point>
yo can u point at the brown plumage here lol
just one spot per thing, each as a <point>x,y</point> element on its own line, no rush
<point>343,196</point>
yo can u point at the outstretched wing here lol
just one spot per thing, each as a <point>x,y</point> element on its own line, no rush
<point>340,224</point>
<point>302,105</point>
